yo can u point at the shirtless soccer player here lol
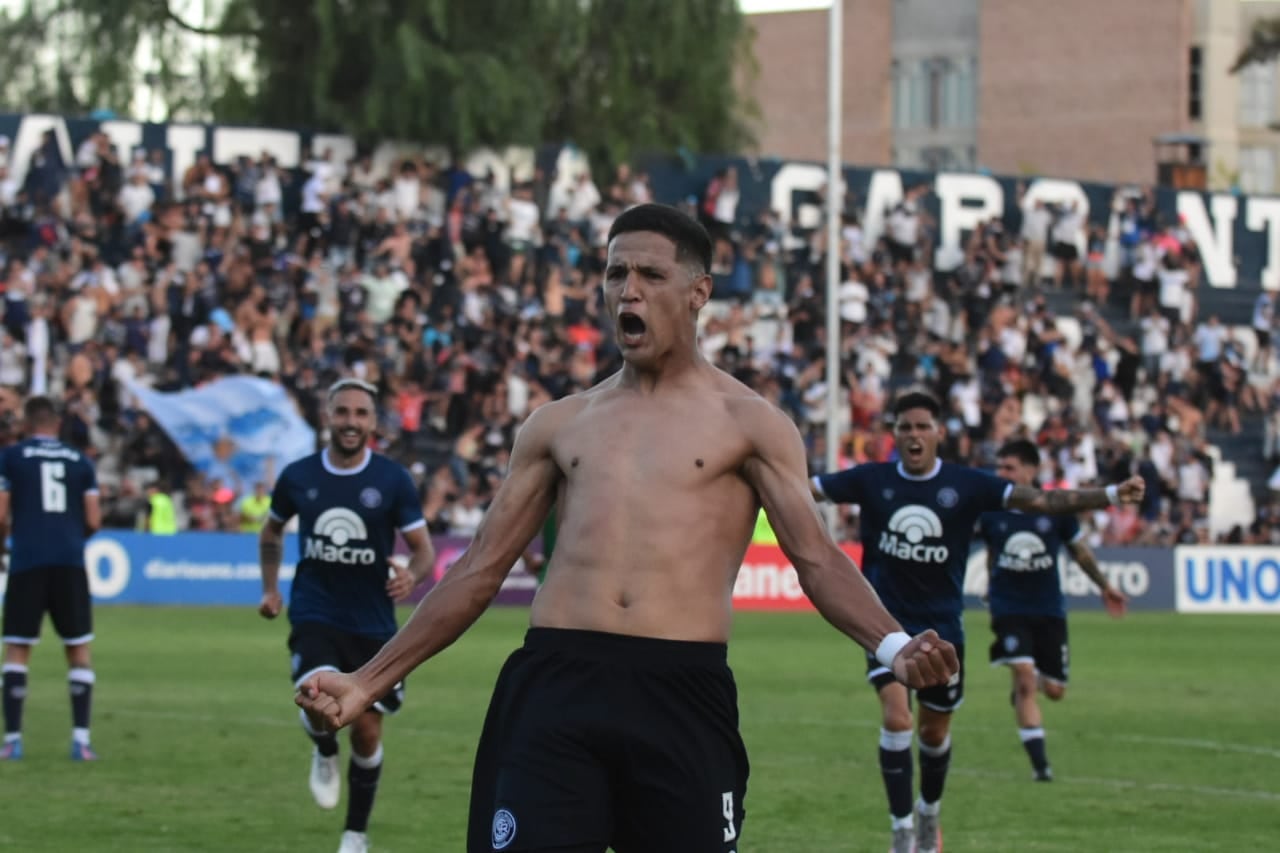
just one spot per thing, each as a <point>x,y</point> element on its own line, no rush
<point>918,518</point>
<point>616,724</point>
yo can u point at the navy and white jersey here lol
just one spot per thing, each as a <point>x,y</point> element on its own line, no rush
<point>46,481</point>
<point>1023,553</point>
<point>916,533</point>
<point>347,523</point>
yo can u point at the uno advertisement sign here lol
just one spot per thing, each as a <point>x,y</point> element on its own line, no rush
<point>1216,579</point>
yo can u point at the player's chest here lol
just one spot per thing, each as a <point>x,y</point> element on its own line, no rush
<point>929,509</point>
<point>347,513</point>
<point>659,447</point>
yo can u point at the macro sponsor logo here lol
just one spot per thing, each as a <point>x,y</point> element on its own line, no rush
<point>908,530</point>
<point>331,539</point>
<point>1025,552</point>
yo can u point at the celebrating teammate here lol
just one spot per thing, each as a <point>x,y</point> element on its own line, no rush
<point>52,491</point>
<point>350,502</point>
<point>918,517</point>
<point>1028,614</point>
<point>616,724</point>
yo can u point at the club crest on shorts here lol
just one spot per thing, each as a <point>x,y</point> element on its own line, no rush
<point>948,497</point>
<point>1011,643</point>
<point>371,497</point>
<point>504,829</point>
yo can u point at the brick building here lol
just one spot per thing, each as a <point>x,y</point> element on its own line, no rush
<point>1078,89</point>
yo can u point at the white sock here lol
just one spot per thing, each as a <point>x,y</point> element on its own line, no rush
<point>12,737</point>
<point>907,822</point>
<point>367,762</point>
<point>80,736</point>
<point>930,809</point>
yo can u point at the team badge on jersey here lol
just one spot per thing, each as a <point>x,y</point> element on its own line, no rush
<point>888,494</point>
<point>504,829</point>
<point>371,497</point>
<point>1044,524</point>
<point>311,494</point>
<point>948,497</point>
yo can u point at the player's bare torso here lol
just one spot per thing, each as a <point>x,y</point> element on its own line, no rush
<point>654,512</point>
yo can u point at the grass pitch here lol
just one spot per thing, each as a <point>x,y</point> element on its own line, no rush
<point>1167,741</point>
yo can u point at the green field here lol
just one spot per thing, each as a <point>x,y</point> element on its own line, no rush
<point>1168,741</point>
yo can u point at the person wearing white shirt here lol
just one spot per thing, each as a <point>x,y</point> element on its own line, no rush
<point>8,187</point>
<point>136,197</point>
<point>38,346</point>
<point>1036,220</point>
<point>583,198</point>
<point>1155,342</point>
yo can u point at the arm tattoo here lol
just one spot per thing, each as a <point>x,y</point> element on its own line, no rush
<point>1088,564</point>
<point>1065,501</point>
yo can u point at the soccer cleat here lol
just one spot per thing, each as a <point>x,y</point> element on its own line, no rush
<point>354,842</point>
<point>904,840</point>
<point>82,752</point>
<point>326,784</point>
<point>11,751</point>
<point>1045,775</point>
<point>928,832</point>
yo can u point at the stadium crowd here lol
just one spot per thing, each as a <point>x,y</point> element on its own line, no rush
<point>469,305</point>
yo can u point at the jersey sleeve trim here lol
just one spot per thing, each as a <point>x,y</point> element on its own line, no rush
<point>414,525</point>
<point>1079,537</point>
<point>817,484</point>
<point>1008,491</point>
<point>276,516</point>
<point>93,491</point>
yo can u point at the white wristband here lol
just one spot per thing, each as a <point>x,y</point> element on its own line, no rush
<point>1113,494</point>
<point>890,646</point>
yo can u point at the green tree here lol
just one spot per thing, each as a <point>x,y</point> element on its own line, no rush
<point>616,77</point>
<point>1263,46</point>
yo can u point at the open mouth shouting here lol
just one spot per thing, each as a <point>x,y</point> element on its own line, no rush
<point>913,450</point>
<point>631,329</point>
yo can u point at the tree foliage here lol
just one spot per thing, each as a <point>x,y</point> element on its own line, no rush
<point>1263,46</point>
<point>614,76</point>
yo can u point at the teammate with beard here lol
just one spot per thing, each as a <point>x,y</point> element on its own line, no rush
<point>350,503</point>
<point>1028,612</point>
<point>918,518</point>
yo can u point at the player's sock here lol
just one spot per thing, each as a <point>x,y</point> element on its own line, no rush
<point>1033,743</point>
<point>326,742</point>
<point>15,692</point>
<point>80,685</point>
<point>895,767</point>
<point>934,763</point>
<point>362,776</point>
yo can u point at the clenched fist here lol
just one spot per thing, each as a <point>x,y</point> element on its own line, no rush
<point>926,661</point>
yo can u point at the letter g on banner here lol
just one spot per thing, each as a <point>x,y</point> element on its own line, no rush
<point>107,563</point>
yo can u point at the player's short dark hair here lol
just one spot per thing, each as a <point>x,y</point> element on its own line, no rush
<point>352,384</point>
<point>693,243</point>
<point>1021,449</point>
<point>917,400</point>
<point>40,410</point>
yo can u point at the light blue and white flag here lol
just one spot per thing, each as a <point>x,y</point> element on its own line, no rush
<point>240,429</point>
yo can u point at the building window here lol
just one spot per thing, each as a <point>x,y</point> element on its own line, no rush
<point>934,93</point>
<point>1258,95</point>
<point>1257,169</point>
<point>1195,66</point>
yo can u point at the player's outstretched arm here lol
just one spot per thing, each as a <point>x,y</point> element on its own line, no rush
<point>515,516</point>
<point>1114,599</point>
<point>834,584</point>
<point>1067,501</point>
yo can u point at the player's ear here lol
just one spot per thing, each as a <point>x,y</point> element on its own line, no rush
<point>699,291</point>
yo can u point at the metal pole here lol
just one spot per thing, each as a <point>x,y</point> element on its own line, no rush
<point>835,207</point>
